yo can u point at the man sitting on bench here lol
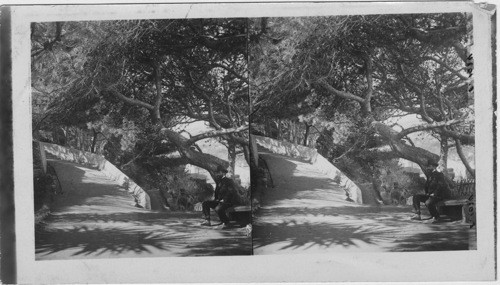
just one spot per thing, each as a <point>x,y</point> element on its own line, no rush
<point>225,197</point>
<point>436,189</point>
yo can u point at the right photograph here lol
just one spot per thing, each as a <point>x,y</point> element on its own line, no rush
<point>362,133</point>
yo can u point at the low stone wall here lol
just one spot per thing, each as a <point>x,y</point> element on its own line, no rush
<point>69,154</point>
<point>330,170</point>
<point>156,200</point>
<point>141,197</point>
<point>289,149</point>
<point>369,194</point>
<point>100,163</point>
<point>312,156</point>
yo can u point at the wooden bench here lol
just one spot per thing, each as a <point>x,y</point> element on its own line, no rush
<point>461,203</point>
<point>240,214</point>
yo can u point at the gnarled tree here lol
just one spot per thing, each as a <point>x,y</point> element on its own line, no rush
<point>158,73</point>
<point>370,68</point>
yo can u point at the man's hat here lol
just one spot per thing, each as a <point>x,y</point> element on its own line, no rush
<point>431,162</point>
<point>221,169</point>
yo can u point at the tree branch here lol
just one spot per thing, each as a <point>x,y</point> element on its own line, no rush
<point>346,95</point>
<point>216,133</point>
<point>461,154</point>
<point>369,82</point>
<point>159,94</point>
<point>427,36</point>
<point>211,117</point>
<point>461,50</point>
<point>228,105</point>
<point>383,152</point>
<point>464,139</point>
<point>443,64</point>
<point>232,71</point>
<point>128,100</point>
<point>198,87</point>
<point>424,127</point>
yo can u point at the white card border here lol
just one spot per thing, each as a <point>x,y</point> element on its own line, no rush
<point>438,266</point>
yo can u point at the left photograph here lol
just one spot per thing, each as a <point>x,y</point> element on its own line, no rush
<point>140,138</point>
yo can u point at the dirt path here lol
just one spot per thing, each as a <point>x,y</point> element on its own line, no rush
<point>307,213</point>
<point>96,218</point>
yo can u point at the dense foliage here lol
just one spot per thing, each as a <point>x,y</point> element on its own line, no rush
<point>120,88</point>
<point>343,77</point>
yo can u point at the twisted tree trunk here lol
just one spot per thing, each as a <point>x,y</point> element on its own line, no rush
<point>306,135</point>
<point>203,160</point>
<point>463,158</point>
<point>400,149</point>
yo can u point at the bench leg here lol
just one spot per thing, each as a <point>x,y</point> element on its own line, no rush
<point>468,213</point>
<point>439,208</point>
<point>464,214</point>
<point>455,212</point>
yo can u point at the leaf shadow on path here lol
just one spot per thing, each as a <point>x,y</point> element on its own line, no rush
<point>229,245</point>
<point>86,186</point>
<point>307,210</point>
<point>355,227</point>
<point>98,241</point>
<point>96,218</point>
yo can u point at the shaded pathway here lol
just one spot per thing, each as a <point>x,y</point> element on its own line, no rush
<point>96,218</point>
<point>307,213</point>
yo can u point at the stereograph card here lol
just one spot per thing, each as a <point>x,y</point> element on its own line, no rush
<point>313,121</point>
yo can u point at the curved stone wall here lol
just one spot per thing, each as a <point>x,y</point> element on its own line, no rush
<point>312,156</point>
<point>286,148</point>
<point>331,171</point>
<point>99,162</point>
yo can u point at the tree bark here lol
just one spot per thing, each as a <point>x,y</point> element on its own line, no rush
<point>463,158</point>
<point>94,140</point>
<point>232,158</point>
<point>306,134</point>
<point>401,149</point>
<point>444,153</point>
<point>280,130</point>
<point>424,127</point>
<point>216,133</point>
<point>267,129</point>
<point>203,160</point>
<point>393,138</point>
<point>253,152</point>
<point>159,95</point>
